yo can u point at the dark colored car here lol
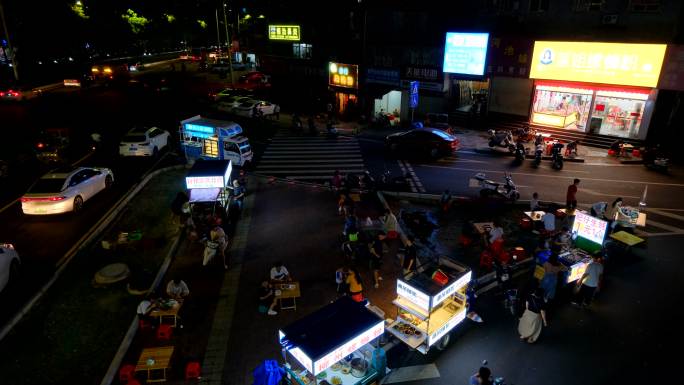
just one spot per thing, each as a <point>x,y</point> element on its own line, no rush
<point>422,142</point>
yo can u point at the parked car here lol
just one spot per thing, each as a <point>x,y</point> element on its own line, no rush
<point>254,81</point>
<point>229,103</point>
<point>418,142</point>
<point>66,190</point>
<point>15,94</point>
<point>144,142</point>
<point>228,92</point>
<point>439,121</point>
<point>9,265</point>
<point>246,108</point>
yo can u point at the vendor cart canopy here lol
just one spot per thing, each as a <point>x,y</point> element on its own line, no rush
<point>209,168</point>
<point>329,327</point>
<point>204,195</point>
<point>211,127</point>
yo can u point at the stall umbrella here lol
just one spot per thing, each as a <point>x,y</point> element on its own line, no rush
<point>334,345</point>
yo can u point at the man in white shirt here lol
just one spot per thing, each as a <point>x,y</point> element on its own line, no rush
<point>495,233</point>
<point>145,307</point>
<point>279,273</point>
<point>589,282</point>
<point>534,202</point>
<point>177,289</point>
<point>549,221</point>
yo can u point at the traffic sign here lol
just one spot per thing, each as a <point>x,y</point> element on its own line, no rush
<point>413,100</point>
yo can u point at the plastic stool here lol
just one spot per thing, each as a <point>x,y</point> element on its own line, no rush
<point>164,332</point>
<point>126,373</point>
<point>192,370</point>
<point>144,324</point>
<point>519,253</point>
<point>636,153</point>
<point>133,382</point>
<point>611,153</point>
<point>526,224</point>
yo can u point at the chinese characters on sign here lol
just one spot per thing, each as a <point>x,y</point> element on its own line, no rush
<point>451,289</point>
<point>343,75</point>
<point>413,295</point>
<point>590,228</point>
<point>284,32</point>
<point>608,63</point>
<point>349,347</point>
<point>448,325</point>
<point>465,53</point>
<point>204,182</point>
<point>509,57</point>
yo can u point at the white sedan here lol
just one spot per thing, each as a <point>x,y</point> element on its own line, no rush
<point>247,108</point>
<point>64,191</point>
<point>9,265</point>
<point>228,104</point>
<point>144,142</point>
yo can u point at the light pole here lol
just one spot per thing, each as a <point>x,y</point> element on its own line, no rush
<point>9,43</point>
<point>229,44</point>
<point>218,35</point>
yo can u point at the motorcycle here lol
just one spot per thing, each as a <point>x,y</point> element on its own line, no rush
<point>538,151</point>
<point>525,133</point>
<point>654,160</point>
<point>507,189</point>
<point>397,183</point>
<point>331,131</point>
<point>520,153</point>
<point>557,156</point>
<point>502,139</point>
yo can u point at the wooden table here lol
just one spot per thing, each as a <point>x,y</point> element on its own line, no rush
<point>535,215</point>
<point>162,359</point>
<point>293,293</point>
<point>625,149</point>
<point>172,312</point>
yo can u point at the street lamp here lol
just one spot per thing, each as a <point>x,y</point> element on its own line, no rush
<point>229,44</point>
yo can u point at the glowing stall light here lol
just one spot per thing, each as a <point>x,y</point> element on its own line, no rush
<point>548,119</point>
<point>446,328</point>
<point>413,295</point>
<point>451,289</point>
<point>199,131</point>
<point>570,90</point>
<point>349,347</point>
<point>590,228</point>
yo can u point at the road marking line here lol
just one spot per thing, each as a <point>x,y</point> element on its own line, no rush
<point>593,192</point>
<point>415,178</point>
<point>641,182</point>
<point>662,225</point>
<point>310,161</point>
<point>311,156</point>
<point>645,234</point>
<point>410,180</point>
<point>665,214</point>
<point>268,166</point>
<point>314,171</point>
<point>412,373</point>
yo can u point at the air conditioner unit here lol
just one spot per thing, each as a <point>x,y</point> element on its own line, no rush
<point>609,19</point>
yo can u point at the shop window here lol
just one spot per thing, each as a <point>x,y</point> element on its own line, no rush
<point>589,5</point>
<point>618,113</point>
<point>539,5</point>
<point>210,148</point>
<point>645,5</point>
<point>301,51</point>
<point>563,107</point>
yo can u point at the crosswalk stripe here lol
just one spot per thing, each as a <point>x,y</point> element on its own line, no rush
<point>322,152</point>
<point>313,160</point>
<point>308,166</point>
<point>313,171</point>
<point>312,156</point>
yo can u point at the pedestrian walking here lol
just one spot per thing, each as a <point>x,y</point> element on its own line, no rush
<point>530,325</point>
<point>340,281</point>
<point>410,255</point>
<point>375,261</point>
<point>445,201</point>
<point>219,236</point>
<point>535,204</point>
<point>549,282</point>
<point>390,224</point>
<point>353,280</point>
<point>571,196</point>
<point>482,377</point>
<point>589,282</point>
<point>238,194</point>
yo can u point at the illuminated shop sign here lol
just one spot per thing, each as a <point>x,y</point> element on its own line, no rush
<point>465,53</point>
<point>349,347</point>
<point>284,32</point>
<point>451,289</point>
<point>413,295</point>
<point>590,228</point>
<point>204,182</point>
<point>450,324</point>
<point>343,75</point>
<point>608,63</point>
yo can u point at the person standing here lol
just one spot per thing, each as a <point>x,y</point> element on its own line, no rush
<point>534,202</point>
<point>589,282</point>
<point>238,194</point>
<point>530,325</point>
<point>612,213</point>
<point>375,249</point>
<point>219,236</point>
<point>549,282</point>
<point>353,281</point>
<point>267,299</point>
<point>390,224</point>
<point>571,196</point>
<point>445,201</point>
<point>410,255</point>
<point>177,289</point>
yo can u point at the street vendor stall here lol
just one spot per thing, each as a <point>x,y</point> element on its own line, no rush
<point>334,345</point>
<point>430,303</point>
<point>208,184</point>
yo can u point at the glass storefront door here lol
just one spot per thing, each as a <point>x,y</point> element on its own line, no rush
<point>618,113</point>
<point>563,107</point>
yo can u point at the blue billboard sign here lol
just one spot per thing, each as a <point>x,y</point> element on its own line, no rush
<point>465,53</point>
<point>413,100</point>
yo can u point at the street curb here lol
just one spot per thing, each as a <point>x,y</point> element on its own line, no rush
<point>133,327</point>
<point>632,161</point>
<point>88,238</point>
<point>489,151</point>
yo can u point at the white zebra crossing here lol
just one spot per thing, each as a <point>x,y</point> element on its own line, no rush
<point>310,158</point>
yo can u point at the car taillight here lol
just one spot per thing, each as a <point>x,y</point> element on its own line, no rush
<point>40,145</point>
<point>47,199</point>
<point>2,94</point>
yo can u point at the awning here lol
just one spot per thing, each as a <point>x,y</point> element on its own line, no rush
<point>204,194</point>
<point>323,337</point>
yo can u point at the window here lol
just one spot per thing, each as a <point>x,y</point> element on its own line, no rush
<point>645,5</point>
<point>504,5</point>
<point>154,133</point>
<point>210,148</point>
<point>539,5</point>
<point>78,178</point>
<point>231,147</point>
<point>301,50</point>
<point>589,5</point>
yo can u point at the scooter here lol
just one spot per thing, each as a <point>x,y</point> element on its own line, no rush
<point>538,151</point>
<point>502,139</point>
<point>397,183</point>
<point>654,160</point>
<point>507,189</point>
<point>557,156</point>
<point>525,133</point>
<point>331,131</point>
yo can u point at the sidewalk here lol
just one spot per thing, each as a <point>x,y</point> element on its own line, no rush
<point>75,329</point>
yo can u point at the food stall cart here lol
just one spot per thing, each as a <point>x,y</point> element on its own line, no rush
<point>588,233</point>
<point>429,308</point>
<point>627,216</point>
<point>333,345</point>
<point>208,183</point>
<point>203,138</point>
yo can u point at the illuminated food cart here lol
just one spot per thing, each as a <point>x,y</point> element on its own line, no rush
<point>430,303</point>
<point>333,345</point>
<point>208,183</point>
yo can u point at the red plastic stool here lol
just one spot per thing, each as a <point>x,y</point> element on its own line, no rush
<point>192,370</point>
<point>636,153</point>
<point>486,260</point>
<point>526,224</point>
<point>126,373</point>
<point>611,153</point>
<point>144,325</point>
<point>164,332</point>
<point>519,253</point>
<point>133,382</point>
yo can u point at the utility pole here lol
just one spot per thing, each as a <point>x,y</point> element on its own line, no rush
<point>229,43</point>
<point>9,43</point>
<point>218,34</point>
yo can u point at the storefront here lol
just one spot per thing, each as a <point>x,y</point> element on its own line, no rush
<point>465,56</point>
<point>336,344</point>
<point>597,88</point>
<point>430,303</point>
<point>343,81</point>
<point>508,68</point>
